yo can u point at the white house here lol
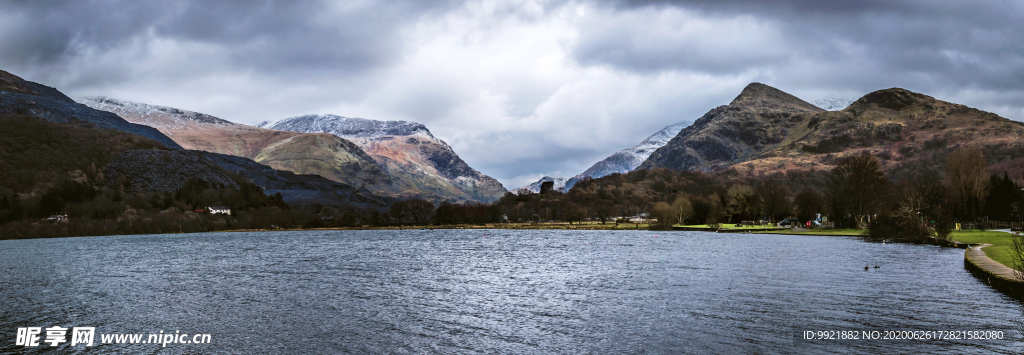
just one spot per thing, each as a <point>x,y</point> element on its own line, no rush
<point>219,210</point>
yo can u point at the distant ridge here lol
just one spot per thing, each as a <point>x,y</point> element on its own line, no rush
<point>19,96</point>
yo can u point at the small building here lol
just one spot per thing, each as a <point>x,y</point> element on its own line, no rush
<point>58,217</point>
<point>547,186</point>
<point>219,210</point>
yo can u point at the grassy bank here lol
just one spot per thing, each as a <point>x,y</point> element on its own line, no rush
<point>998,251</point>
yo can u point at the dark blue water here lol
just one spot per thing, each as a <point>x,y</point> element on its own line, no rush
<point>498,291</point>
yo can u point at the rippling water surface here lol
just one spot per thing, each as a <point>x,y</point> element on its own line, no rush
<point>498,291</point>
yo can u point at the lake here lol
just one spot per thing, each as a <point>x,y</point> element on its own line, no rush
<point>499,291</point>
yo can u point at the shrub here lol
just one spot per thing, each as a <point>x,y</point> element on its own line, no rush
<point>897,229</point>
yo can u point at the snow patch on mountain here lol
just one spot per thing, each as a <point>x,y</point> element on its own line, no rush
<point>833,104</point>
<point>349,127</point>
<point>160,117</point>
<point>535,187</point>
<point>628,159</point>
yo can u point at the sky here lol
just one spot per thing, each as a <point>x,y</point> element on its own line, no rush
<point>519,89</point>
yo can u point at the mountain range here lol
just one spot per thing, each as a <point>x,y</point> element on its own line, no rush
<point>325,155</point>
<point>766,130</point>
<point>154,163</point>
<point>391,158</point>
<point>338,160</point>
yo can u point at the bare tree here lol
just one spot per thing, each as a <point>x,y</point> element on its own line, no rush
<point>774,199</point>
<point>664,215</point>
<point>741,200</point>
<point>1017,255</point>
<point>715,211</point>
<point>808,204</point>
<point>966,180</point>
<point>572,212</point>
<point>398,212</point>
<point>603,209</point>
<point>420,211</point>
<point>682,208</point>
<point>858,187</point>
<point>909,202</point>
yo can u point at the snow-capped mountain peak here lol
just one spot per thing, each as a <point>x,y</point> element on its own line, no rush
<point>152,115</point>
<point>622,161</point>
<point>833,104</point>
<point>349,127</point>
<point>628,159</point>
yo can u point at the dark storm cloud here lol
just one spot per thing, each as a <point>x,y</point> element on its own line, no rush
<point>932,43</point>
<point>285,37</point>
<point>520,88</point>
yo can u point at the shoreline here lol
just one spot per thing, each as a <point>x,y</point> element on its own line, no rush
<point>511,226</point>
<point>992,272</point>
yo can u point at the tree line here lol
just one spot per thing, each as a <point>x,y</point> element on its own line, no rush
<point>855,193</point>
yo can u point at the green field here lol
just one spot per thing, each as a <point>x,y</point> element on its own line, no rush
<point>998,251</point>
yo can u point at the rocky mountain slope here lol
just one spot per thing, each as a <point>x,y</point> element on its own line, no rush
<point>19,96</point>
<point>760,118</point>
<point>310,154</point>
<point>419,163</point>
<point>766,130</point>
<point>167,171</point>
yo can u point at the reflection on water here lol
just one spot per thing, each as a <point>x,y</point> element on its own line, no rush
<point>499,291</point>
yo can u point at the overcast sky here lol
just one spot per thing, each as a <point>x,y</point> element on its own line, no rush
<point>519,89</point>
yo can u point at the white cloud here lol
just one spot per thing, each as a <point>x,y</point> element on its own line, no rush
<point>503,89</point>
